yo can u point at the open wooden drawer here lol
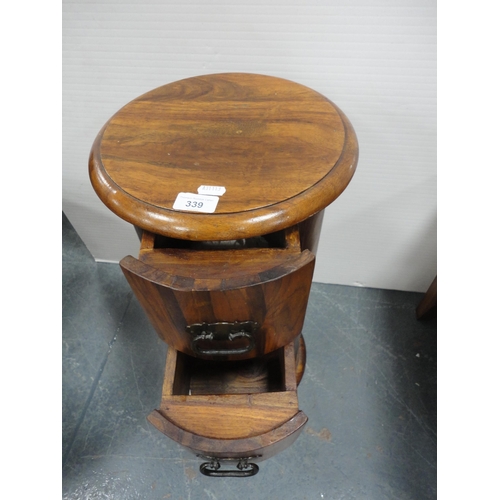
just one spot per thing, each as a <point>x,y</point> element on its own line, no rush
<point>242,411</point>
<point>223,300</point>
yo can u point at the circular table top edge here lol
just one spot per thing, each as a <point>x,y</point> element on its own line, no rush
<point>226,226</point>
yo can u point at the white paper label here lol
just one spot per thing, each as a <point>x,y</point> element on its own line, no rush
<point>215,190</point>
<point>191,202</point>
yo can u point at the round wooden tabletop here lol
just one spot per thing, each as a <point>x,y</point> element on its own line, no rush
<point>282,151</point>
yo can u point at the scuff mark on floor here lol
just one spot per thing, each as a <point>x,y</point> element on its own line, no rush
<point>324,434</point>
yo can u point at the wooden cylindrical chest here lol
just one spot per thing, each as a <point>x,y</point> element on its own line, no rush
<point>225,178</point>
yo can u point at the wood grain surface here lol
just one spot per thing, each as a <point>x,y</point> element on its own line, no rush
<point>226,417</point>
<point>282,151</point>
<point>262,446</point>
<point>194,287</point>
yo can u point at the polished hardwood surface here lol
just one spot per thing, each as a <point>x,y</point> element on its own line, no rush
<point>261,447</point>
<point>226,290</point>
<point>427,308</point>
<point>283,151</point>
<point>232,409</point>
<point>179,287</point>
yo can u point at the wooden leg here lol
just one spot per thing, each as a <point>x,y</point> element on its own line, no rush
<point>427,309</point>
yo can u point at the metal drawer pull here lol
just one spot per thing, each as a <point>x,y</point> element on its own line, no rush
<point>245,469</point>
<point>222,332</point>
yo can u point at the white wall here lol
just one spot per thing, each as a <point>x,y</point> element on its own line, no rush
<point>376,59</point>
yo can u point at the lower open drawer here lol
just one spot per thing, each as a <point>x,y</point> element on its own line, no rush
<point>245,409</point>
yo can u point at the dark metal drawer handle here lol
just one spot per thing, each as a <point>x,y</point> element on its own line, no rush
<point>245,469</point>
<point>222,331</point>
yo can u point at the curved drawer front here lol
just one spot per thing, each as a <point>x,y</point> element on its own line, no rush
<point>257,448</point>
<point>256,305</point>
<point>234,411</point>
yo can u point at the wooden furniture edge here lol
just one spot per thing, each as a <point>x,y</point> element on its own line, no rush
<point>427,308</point>
<point>199,227</point>
<point>285,266</point>
<point>265,444</point>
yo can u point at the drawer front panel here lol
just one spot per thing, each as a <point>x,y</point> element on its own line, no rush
<point>225,323</point>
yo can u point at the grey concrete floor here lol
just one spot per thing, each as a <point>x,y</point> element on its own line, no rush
<point>369,390</point>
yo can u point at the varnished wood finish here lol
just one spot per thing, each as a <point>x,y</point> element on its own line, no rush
<point>427,308</point>
<point>283,152</point>
<point>240,407</point>
<point>300,357</point>
<point>262,447</point>
<point>196,266</point>
<point>309,231</point>
<point>178,288</point>
<point>230,416</point>
<point>185,374</point>
<point>231,400</point>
